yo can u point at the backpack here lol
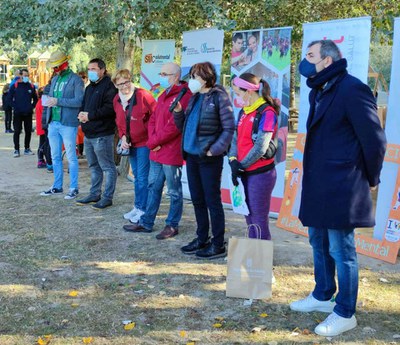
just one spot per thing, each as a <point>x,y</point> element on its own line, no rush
<point>273,143</point>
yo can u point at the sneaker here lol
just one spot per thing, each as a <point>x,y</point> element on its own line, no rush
<point>168,232</point>
<point>310,303</point>
<point>16,153</point>
<point>194,246</point>
<point>51,191</point>
<point>136,217</point>
<point>90,199</point>
<point>49,168</point>
<point>136,228</point>
<point>334,325</point>
<point>130,214</point>
<point>211,252</point>
<point>28,152</point>
<point>41,165</point>
<point>71,194</point>
<point>102,204</point>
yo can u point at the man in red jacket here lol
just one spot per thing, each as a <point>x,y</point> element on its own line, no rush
<point>165,156</point>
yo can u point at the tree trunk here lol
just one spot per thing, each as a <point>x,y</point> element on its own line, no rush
<point>124,60</point>
<point>125,52</point>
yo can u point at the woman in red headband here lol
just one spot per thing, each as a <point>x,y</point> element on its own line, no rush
<point>251,156</point>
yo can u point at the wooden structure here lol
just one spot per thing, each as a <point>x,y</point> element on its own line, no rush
<point>4,69</point>
<point>37,66</point>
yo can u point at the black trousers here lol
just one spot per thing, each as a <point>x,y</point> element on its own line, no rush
<point>44,149</point>
<point>26,120</point>
<point>8,118</point>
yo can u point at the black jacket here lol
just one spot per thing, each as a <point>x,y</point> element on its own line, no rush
<point>22,97</point>
<point>216,123</point>
<point>98,102</point>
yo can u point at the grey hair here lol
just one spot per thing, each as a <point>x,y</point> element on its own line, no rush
<point>328,48</point>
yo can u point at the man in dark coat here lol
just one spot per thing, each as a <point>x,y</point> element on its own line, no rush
<point>98,123</point>
<point>343,156</point>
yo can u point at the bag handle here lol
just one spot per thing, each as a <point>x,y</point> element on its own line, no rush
<point>257,228</point>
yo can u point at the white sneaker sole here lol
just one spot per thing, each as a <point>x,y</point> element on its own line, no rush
<point>322,309</point>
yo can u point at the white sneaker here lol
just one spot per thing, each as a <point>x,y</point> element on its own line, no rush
<point>136,217</point>
<point>309,304</point>
<point>334,325</point>
<point>131,213</point>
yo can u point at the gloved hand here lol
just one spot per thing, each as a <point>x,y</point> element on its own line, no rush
<point>237,170</point>
<point>236,167</point>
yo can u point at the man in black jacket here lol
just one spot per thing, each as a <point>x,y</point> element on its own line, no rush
<point>23,98</point>
<point>97,118</point>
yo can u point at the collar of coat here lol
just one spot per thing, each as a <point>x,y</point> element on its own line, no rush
<point>332,71</point>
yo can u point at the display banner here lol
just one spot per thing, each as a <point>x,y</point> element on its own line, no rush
<point>202,46</point>
<point>155,54</point>
<point>353,39</point>
<point>266,54</point>
<point>387,209</point>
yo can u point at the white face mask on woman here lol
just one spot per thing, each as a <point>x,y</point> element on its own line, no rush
<point>194,85</point>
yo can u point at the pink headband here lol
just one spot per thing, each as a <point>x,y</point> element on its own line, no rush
<point>245,84</point>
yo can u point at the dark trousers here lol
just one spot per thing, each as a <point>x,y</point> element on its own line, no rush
<point>204,177</point>
<point>8,118</point>
<point>44,149</point>
<point>19,119</point>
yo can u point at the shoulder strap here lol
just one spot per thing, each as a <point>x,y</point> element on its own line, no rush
<point>257,118</point>
<point>128,115</point>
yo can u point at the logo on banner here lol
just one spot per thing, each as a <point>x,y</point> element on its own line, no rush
<point>393,230</point>
<point>150,58</point>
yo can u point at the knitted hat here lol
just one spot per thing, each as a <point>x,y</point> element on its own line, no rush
<point>58,58</point>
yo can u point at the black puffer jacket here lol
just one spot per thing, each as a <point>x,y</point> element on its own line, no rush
<point>216,124</point>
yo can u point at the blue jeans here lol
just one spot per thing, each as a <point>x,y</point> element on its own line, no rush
<point>204,177</point>
<point>140,163</point>
<point>335,248</point>
<point>59,134</point>
<point>159,173</point>
<point>100,157</point>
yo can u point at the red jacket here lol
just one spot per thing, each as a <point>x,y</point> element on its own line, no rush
<point>141,114</point>
<point>163,131</point>
<point>39,113</point>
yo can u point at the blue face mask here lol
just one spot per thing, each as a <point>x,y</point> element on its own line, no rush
<point>25,79</point>
<point>92,75</point>
<point>307,69</point>
<point>164,83</point>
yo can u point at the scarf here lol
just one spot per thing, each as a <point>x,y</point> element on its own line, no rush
<point>254,106</point>
<point>321,78</point>
<point>125,98</point>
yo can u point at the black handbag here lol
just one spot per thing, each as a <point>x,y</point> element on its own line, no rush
<point>120,151</point>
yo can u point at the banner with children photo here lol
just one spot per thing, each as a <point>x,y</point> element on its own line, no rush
<point>266,54</point>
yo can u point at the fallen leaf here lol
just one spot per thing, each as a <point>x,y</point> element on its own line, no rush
<point>263,315</point>
<point>306,332</point>
<point>219,318</point>
<point>383,280</point>
<point>129,326</point>
<point>191,343</point>
<point>44,341</point>
<point>369,330</point>
<point>73,293</point>
<point>87,340</point>
<point>217,325</point>
<point>151,286</point>
<point>182,334</point>
<point>74,305</point>
<point>256,330</point>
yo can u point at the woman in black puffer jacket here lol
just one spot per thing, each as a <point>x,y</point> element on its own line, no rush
<point>207,128</point>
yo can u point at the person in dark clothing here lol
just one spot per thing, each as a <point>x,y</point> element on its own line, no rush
<point>23,97</point>
<point>97,119</point>
<point>343,156</point>
<point>207,128</point>
<point>7,109</point>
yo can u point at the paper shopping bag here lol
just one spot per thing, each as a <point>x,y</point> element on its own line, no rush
<point>249,268</point>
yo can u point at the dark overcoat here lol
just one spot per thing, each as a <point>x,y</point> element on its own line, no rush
<point>343,156</point>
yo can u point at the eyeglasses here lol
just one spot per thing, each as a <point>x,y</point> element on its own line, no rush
<point>162,74</point>
<point>124,84</point>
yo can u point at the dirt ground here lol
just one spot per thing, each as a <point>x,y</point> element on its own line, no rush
<point>49,247</point>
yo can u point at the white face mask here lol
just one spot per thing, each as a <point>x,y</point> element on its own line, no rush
<point>194,85</point>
